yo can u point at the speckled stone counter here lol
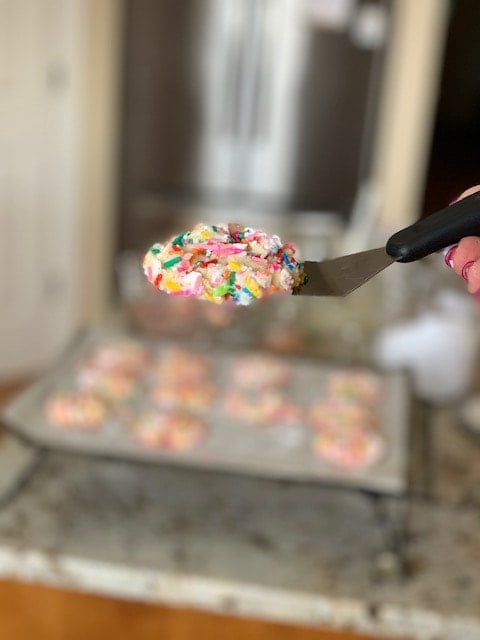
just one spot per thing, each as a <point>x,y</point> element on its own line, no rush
<point>305,554</point>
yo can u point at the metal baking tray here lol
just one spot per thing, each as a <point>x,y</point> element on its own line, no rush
<point>279,451</point>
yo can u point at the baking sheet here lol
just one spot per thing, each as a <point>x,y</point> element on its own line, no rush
<point>280,451</point>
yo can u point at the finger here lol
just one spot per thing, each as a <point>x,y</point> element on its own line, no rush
<point>466,193</point>
<point>468,250</point>
<point>472,276</point>
<point>466,262</point>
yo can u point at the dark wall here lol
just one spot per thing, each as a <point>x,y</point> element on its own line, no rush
<point>455,153</point>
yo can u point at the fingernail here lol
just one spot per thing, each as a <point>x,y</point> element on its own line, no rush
<point>466,268</point>
<point>449,256</point>
<point>457,198</point>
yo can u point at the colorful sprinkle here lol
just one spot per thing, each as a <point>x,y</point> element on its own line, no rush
<point>171,262</point>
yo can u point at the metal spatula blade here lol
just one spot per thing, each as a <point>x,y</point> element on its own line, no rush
<point>343,275</point>
<point>340,276</point>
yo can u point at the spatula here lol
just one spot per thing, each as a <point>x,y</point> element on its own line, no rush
<point>340,276</point>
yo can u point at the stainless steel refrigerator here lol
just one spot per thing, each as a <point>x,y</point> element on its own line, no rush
<point>252,105</point>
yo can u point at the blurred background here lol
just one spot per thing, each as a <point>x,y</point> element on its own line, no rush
<point>331,122</point>
<point>120,119</point>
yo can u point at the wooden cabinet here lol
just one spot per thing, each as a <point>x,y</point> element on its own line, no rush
<point>30,611</point>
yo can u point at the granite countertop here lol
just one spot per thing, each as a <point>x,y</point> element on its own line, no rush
<point>305,554</point>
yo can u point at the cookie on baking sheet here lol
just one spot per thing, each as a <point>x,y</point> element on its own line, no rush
<point>259,371</point>
<point>179,365</point>
<point>346,433</point>
<point>340,414</point>
<point>125,355</point>
<point>354,449</point>
<point>361,385</point>
<point>149,428</point>
<point>168,431</point>
<point>189,397</point>
<point>261,408</point>
<point>185,432</point>
<point>76,410</point>
<point>112,386</point>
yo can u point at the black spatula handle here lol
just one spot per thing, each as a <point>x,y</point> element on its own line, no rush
<point>436,231</point>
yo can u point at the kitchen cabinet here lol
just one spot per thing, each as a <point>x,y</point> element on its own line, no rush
<point>28,611</point>
<point>40,132</point>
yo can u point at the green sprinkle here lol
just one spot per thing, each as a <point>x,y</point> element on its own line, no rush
<point>179,241</point>
<point>171,262</point>
<point>154,251</point>
<point>221,290</point>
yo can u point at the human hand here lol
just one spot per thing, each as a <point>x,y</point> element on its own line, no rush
<point>464,258</point>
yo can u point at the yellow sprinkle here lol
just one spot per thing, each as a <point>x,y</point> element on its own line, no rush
<point>211,298</point>
<point>253,287</point>
<point>171,285</point>
<point>234,266</point>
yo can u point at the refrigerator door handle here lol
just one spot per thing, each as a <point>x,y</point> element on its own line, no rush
<point>232,69</point>
<point>263,73</point>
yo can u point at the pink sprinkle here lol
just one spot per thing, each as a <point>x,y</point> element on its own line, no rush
<point>184,266</point>
<point>194,281</point>
<point>228,249</point>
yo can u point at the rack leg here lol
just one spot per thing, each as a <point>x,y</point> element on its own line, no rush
<point>393,515</point>
<point>25,478</point>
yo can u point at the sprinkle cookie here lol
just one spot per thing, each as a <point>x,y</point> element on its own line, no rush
<point>150,428</point>
<point>76,410</point>
<point>174,432</point>
<point>122,356</point>
<point>346,433</point>
<point>258,371</point>
<point>192,397</point>
<point>360,385</point>
<point>185,432</point>
<point>112,386</point>
<point>182,366</point>
<point>356,449</point>
<point>340,415</point>
<point>224,262</point>
<point>262,409</point>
